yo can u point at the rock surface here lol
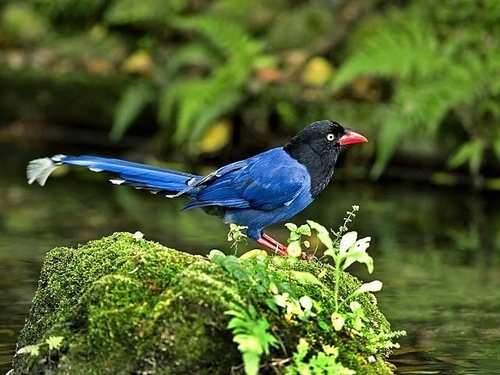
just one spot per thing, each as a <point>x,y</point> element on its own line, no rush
<point>124,305</point>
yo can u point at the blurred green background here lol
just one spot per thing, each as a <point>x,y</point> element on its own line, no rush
<point>220,79</point>
<point>202,83</point>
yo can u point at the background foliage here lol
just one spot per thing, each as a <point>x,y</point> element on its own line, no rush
<point>443,63</point>
<point>419,77</point>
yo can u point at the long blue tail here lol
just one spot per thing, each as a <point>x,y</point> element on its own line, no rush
<point>122,172</point>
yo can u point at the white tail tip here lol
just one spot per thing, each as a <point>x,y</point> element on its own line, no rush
<point>40,169</point>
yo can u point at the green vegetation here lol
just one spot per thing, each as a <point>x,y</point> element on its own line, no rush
<point>443,63</point>
<point>418,77</point>
<point>123,304</point>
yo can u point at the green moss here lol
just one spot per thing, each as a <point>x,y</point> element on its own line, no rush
<point>133,306</point>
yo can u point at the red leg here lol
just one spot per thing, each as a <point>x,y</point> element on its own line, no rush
<point>273,245</point>
<point>278,248</point>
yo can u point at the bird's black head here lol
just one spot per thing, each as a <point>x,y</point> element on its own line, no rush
<point>317,147</point>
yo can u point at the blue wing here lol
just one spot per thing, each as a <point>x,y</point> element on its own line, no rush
<point>264,182</point>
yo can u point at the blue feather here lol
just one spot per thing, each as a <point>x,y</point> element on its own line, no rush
<point>253,184</point>
<point>140,176</point>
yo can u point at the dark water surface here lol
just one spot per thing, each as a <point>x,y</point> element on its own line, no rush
<point>437,251</point>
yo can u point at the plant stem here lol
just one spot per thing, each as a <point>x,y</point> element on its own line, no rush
<point>338,270</point>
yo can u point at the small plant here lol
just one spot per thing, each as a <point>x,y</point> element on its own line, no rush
<point>301,308</point>
<point>295,242</point>
<point>344,250</point>
<point>251,333</point>
<point>346,316</point>
<point>46,348</point>
<point>322,362</point>
<point>236,235</point>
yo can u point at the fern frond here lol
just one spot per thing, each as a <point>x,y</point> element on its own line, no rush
<point>200,102</point>
<point>435,70</point>
<point>421,105</point>
<point>195,103</point>
<point>252,335</point>
<point>221,104</point>
<point>142,13</point>
<point>400,49</point>
<point>392,131</point>
<point>193,54</point>
<point>470,152</point>
<point>133,100</point>
<point>229,37</point>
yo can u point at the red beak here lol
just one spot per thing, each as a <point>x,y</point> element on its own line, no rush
<point>351,137</point>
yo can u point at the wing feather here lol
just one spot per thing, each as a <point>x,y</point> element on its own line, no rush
<point>265,182</point>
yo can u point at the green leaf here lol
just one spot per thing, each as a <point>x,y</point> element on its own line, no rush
<point>393,48</point>
<point>294,249</point>
<point>252,336</point>
<point>338,321</point>
<point>195,53</point>
<point>347,242</point>
<point>272,305</point>
<point>195,103</point>
<point>214,109</point>
<point>252,254</point>
<point>54,342</point>
<point>248,343</point>
<point>304,229</point>
<point>251,361</point>
<point>390,135</point>
<point>427,68</point>
<point>360,257</point>
<point>306,278</point>
<point>323,234</point>
<point>471,153</point>
<point>372,287</point>
<point>306,302</point>
<point>33,350</point>
<point>214,254</point>
<point>133,100</point>
<point>233,266</point>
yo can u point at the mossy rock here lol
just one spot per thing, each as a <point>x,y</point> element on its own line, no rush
<point>130,306</point>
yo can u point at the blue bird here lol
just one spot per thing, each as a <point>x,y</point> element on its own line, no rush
<point>257,192</point>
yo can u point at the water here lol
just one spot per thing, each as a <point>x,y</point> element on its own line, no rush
<point>437,250</point>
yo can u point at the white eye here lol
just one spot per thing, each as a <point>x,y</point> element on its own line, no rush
<point>330,137</point>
